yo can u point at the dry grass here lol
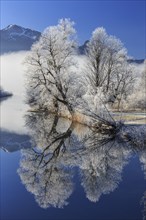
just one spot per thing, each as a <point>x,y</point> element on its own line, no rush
<point>131,118</point>
<point>128,118</point>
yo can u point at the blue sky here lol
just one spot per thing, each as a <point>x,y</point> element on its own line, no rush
<point>124,19</point>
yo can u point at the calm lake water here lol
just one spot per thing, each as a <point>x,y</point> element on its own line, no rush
<point>66,171</point>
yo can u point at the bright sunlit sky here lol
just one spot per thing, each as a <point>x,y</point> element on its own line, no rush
<point>124,19</point>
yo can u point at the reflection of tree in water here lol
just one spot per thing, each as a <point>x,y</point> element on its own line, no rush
<point>40,170</point>
<point>101,169</point>
<point>51,184</point>
<point>46,170</point>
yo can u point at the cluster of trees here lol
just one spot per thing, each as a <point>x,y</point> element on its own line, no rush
<point>55,83</point>
<point>50,62</point>
<point>46,169</point>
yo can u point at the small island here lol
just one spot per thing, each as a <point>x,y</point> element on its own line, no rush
<point>4,94</point>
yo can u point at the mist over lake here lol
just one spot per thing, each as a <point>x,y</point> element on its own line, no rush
<point>13,80</point>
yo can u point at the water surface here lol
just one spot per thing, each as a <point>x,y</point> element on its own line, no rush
<point>65,170</point>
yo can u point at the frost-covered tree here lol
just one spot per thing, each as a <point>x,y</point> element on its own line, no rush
<point>104,53</point>
<point>96,53</point>
<point>49,67</point>
<point>107,66</point>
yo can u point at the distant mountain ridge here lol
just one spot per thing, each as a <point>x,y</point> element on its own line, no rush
<point>16,38</point>
<point>138,61</point>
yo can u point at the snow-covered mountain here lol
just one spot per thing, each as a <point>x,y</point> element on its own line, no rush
<point>16,38</point>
